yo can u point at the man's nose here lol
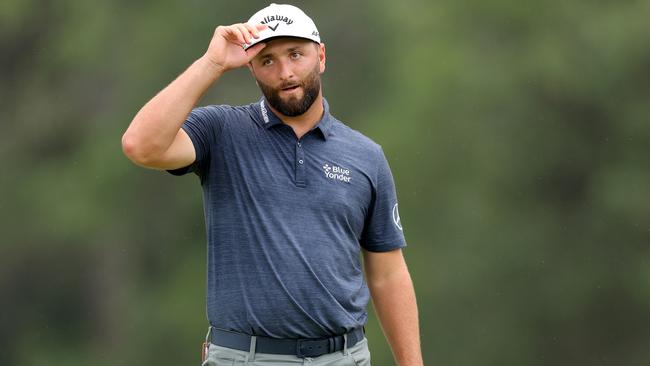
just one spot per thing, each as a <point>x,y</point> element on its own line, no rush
<point>285,71</point>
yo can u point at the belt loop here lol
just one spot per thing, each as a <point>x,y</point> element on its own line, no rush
<point>251,351</point>
<point>345,344</point>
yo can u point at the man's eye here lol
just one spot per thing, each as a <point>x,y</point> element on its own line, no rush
<point>295,55</point>
<point>267,62</point>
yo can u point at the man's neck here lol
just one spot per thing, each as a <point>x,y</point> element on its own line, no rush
<point>305,122</point>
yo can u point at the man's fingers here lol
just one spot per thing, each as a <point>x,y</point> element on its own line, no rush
<point>252,30</point>
<point>237,35</point>
<point>245,32</point>
<point>232,34</point>
<point>242,33</point>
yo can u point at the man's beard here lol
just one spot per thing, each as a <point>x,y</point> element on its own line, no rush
<point>293,106</point>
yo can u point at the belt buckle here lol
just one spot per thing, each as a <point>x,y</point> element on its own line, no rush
<point>311,348</point>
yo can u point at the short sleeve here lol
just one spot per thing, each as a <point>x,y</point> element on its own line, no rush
<point>203,126</point>
<point>383,228</point>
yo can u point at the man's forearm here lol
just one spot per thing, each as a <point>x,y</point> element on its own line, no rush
<point>395,304</point>
<point>155,126</point>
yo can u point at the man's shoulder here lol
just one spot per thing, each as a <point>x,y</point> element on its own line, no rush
<point>226,114</point>
<point>354,137</point>
<point>228,109</point>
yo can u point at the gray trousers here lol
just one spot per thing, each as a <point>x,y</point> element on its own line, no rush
<point>358,355</point>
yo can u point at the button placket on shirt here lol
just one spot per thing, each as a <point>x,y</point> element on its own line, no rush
<point>300,165</point>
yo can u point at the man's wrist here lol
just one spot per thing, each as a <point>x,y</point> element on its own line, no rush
<point>211,68</point>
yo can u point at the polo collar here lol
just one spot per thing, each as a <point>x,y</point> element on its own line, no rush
<point>268,119</point>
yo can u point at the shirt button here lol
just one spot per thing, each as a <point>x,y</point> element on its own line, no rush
<point>300,161</point>
<point>299,144</point>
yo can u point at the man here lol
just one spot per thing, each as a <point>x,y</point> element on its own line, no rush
<point>292,197</point>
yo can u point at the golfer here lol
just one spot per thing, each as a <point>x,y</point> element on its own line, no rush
<point>293,198</point>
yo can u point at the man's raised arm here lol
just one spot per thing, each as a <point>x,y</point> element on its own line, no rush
<point>154,138</point>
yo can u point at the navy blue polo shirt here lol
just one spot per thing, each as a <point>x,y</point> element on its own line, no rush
<point>286,219</point>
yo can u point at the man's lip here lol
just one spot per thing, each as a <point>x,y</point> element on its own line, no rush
<point>290,87</point>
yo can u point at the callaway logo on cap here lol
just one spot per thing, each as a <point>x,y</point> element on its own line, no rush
<point>283,21</point>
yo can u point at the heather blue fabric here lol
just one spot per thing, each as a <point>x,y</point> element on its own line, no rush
<point>286,219</point>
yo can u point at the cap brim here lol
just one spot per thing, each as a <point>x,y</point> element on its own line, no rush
<point>268,39</point>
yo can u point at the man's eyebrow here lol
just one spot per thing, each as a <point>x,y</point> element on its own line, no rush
<point>263,55</point>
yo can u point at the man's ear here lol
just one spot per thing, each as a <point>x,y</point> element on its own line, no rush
<point>321,57</point>
<point>252,70</point>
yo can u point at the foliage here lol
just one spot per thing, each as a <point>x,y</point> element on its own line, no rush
<point>517,133</point>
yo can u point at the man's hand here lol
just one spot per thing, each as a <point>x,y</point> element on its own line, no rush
<point>226,50</point>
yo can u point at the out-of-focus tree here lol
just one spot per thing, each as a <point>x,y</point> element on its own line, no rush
<point>517,133</point>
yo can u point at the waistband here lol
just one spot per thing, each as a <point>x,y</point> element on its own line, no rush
<point>305,347</point>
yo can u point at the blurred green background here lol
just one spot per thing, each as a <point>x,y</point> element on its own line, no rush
<point>518,134</point>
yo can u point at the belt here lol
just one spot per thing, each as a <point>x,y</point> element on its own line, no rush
<point>306,347</point>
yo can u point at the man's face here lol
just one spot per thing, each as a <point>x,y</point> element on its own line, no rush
<point>288,72</point>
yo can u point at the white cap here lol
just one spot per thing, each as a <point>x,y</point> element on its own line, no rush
<point>283,21</point>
